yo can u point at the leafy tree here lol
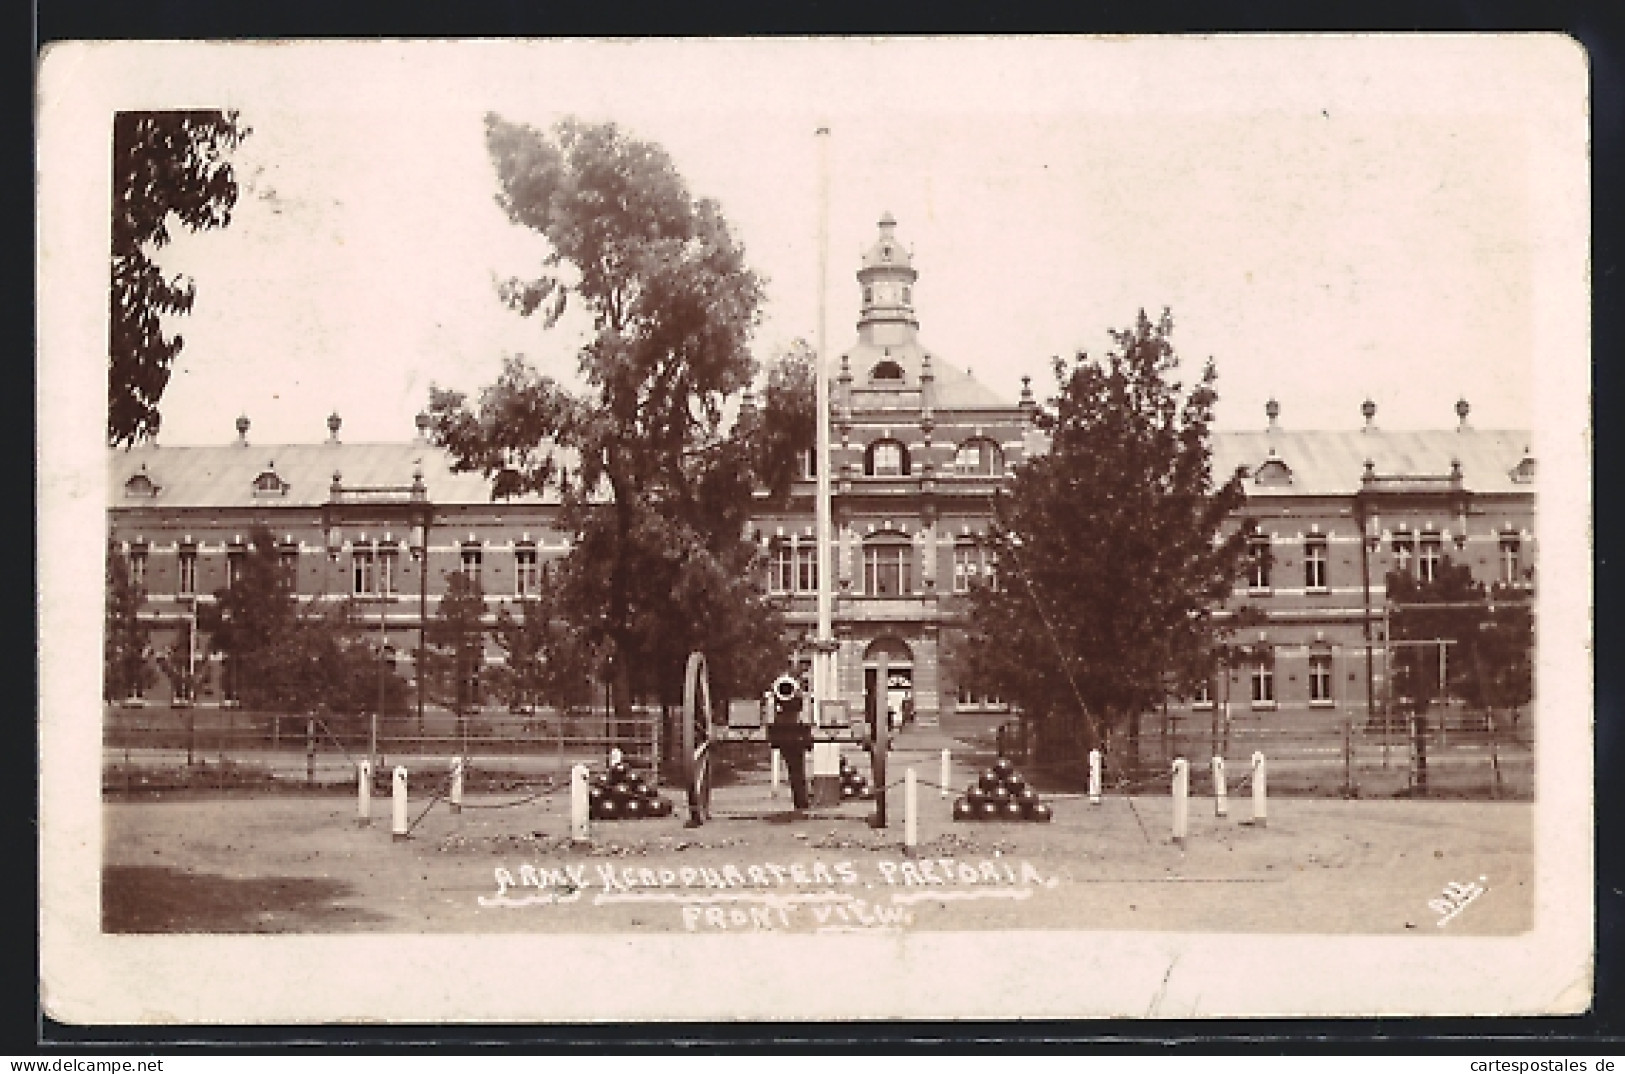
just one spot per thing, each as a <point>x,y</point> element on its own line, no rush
<point>283,659</point>
<point>455,646</point>
<point>164,164</point>
<point>183,665</point>
<point>127,649</point>
<point>544,661</point>
<point>1116,549</point>
<point>1491,630</point>
<point>654,484</point>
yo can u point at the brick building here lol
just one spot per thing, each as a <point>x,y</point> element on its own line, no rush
<point>918,448</point>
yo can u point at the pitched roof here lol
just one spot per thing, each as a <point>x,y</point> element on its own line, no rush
<point>225,475</point>
<point>952,388</point>
<point>1332,462</point>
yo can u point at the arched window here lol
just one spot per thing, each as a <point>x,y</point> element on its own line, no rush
<point>886,369</point>
<point>981,456</point>
<point>886,458</point>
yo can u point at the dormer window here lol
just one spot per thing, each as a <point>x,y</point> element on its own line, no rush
<point>269,483</point>
<point>1524,472</point>
<point>886,458</point>
<point>1272,471</point>
<point>886,369</point>
<point>140,485</point>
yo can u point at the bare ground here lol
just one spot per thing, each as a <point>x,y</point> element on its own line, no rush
<point>291,864</point>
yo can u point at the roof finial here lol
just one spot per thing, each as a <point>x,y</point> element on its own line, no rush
<point>333,423</point>
<point>422,421</point>
<point>1369,410</point>
<point>242,430</point>
<point>1462,410</point>
<point>1272,411</point>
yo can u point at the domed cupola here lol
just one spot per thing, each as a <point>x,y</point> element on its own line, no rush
<point>887,278</point>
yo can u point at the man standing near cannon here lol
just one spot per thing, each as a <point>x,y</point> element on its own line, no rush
<point>789,731</point>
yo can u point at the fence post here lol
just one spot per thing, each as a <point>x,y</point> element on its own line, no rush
<point>363,790</point>
<point>1260,790</point>
<point>310,751</point>
<point>773,763</point>
<point>579,799</point>
<point>372,737</point>
<point>456,784</point>
<point>944,776</point>
<point>1094,777</point>
<point>1348,757</point>
<point>1221,793</point>
<point>1181,793</point>
<point>1495,756</point>
<point>911,810</point>
<point>399,829</point>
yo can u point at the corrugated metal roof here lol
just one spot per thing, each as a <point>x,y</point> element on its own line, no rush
<point>225,475</point>
<point>1332,462</point>
<point>1320,463</point>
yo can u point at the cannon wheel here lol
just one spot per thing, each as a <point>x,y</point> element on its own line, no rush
<point>697,739</point>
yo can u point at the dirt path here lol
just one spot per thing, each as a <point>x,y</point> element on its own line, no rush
<point>304,865</point>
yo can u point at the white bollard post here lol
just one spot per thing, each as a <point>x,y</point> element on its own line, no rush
<point>579,802</point>
<point>1094,777</point>
<point>911,810</point>
<point>1221,793</point>
<point>456,784</point>
<point>399,828</point>
<point>1260,791</point>
<point>363,792</point>
<point>775,763</point>
<point>1182,790</point>
<point>945,776</point>
<point>616,757</point>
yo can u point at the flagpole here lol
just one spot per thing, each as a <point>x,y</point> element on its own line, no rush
<point>826,756</point>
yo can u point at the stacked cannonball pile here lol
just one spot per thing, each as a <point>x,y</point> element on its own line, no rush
<point>620,794</point>
<point>853,782</point>
<point>1001,794</point>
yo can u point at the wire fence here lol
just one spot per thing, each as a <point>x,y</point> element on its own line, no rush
<point>1446,752</point>
<point>161,747</point>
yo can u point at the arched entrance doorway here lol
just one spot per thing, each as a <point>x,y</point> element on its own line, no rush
<point>899,660</point>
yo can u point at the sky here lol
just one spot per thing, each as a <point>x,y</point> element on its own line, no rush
<point>1327,223</point>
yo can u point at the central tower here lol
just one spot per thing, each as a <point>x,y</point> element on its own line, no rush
<point>887,278</point>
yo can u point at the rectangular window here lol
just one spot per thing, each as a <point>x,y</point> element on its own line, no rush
<point>1314,563</point>
<point>472,559</point>
<point>1510,559</point>
<point>527,575</point>
<point>807,568</point>
<point>781,567</point>
<point>363,575</point>
<point>1204,696</point>
<point>1427,564</point>
<point>234,566</point>
<point>186,576</point>
<point>1320,678</point>
<point>888,570</point>
<point>1258,566</point>
<point>973,565</point>
<point>389,558</point>
<point>888,460</point>
<point>1263,686</point>
<point>288,559</point>
<point>138,565</point>
<point>1404,546</point>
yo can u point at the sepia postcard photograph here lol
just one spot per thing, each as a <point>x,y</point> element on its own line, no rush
<point>809,529</point>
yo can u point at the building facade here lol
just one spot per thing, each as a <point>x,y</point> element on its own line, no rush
<point>918,449</point>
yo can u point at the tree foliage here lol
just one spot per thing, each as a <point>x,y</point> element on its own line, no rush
<point>284,659</point>
<point>1490,663</point>
<point>652,479</point>
<point>165,164</point>
<point>126,643</point>
<point>1116,548</point>
<point>454,642</point>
